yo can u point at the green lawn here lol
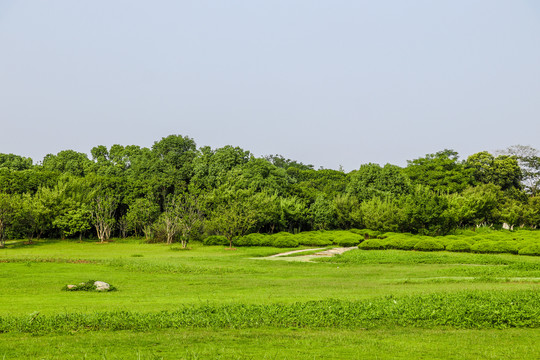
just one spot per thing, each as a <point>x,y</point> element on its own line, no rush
<point>399,343</point>
<point>156,277</point>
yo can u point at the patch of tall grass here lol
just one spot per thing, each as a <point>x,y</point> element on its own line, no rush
<point>478,310</point>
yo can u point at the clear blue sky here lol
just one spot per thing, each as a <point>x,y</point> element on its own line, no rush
<point>324,82</point>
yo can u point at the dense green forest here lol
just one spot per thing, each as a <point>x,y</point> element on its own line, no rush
<point>175,191</point>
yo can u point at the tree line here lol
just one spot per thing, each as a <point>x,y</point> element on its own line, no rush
<point>175,191</point>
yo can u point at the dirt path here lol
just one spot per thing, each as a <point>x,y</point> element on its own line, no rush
<point>294,252</point>
<point>324,253</point>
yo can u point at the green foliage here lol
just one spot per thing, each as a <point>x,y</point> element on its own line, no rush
<point>15,162</point>
<point>74,221</point>
<point>233,219</point>
<point>142,213</point>
<point>284,242</point>
<point>253,239</point>
<point>372,180</point>
<point>215,240</point>
<point>367,233</point>
<point>346,212</point>
<point>68,162</point>
<point>464,310</point>
<point>484,240</point>
<point>503,170</point>
<point>433,195</point>
<point>372,244</point>
<point>475,205</point>
<point>6,215</point>
<point>458,246</point>
<point>281,162</point>
<point>322,213</point>
<point>494,247</point>
<point>428,245</point>
<point>533,249</point>
<point>381,214</point>
<point>347,242</point>
<point>425,212</point>
<point>441,172</point>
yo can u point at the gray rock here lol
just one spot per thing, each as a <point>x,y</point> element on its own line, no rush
<point>102,286</point>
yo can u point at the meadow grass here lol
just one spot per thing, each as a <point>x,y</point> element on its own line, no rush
<point>219,290</point>
<point>308,344</point>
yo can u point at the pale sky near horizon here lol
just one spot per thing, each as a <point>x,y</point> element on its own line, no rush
<point>328,83</point>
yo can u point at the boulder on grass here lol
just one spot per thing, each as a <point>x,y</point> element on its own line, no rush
<point>102,286</point>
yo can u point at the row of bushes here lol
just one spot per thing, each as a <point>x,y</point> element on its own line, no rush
<point>484,240</point>
<point>464,244</point>
<point>288,240</point>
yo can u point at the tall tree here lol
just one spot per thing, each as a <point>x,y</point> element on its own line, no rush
<point>502,170</point>
<point>441,172</point>
<point>233,219</point>
<point>529,162</point>
<point>67,161</point>
<point>6,215</point>
<point>372,180</point>
<point>15,162</point>
<point>103,210</point>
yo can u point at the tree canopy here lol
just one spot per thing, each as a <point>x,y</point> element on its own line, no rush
<point>186,192</point>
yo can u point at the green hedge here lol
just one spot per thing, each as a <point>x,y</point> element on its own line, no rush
<point>285,242</point>
<point>495,247</point>
<point>372,244</point>
<point>428,245</point>
<point>215,240</point>
<point>458,246</point>
<point>533,249</point>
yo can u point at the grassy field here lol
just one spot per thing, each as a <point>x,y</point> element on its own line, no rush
<point>194,303</point>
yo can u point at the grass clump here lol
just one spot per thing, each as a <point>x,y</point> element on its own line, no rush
<point>465,310</point>
<point>87,286</point>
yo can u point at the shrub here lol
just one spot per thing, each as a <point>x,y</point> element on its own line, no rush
<point>428,245</point>
<point>215,240</point>
<point>465,232</point>
<point>313,241</point>
<point>388,234</point>
<point>347,241</point>
<point>393,243</point>
<point>533,249</point>
<point>506,247</point>
<point>483,247</point>
<point>443,240</point>
<point>254,239</point>
<point>495,247</point>
<point>366,233</point>
<point>372,244</point>
<point>283,233</point>
<point>458,246</point>
<point>408,244</point>
<point>523,244</point>
<point>397,242</point>
<point>284,242</point>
